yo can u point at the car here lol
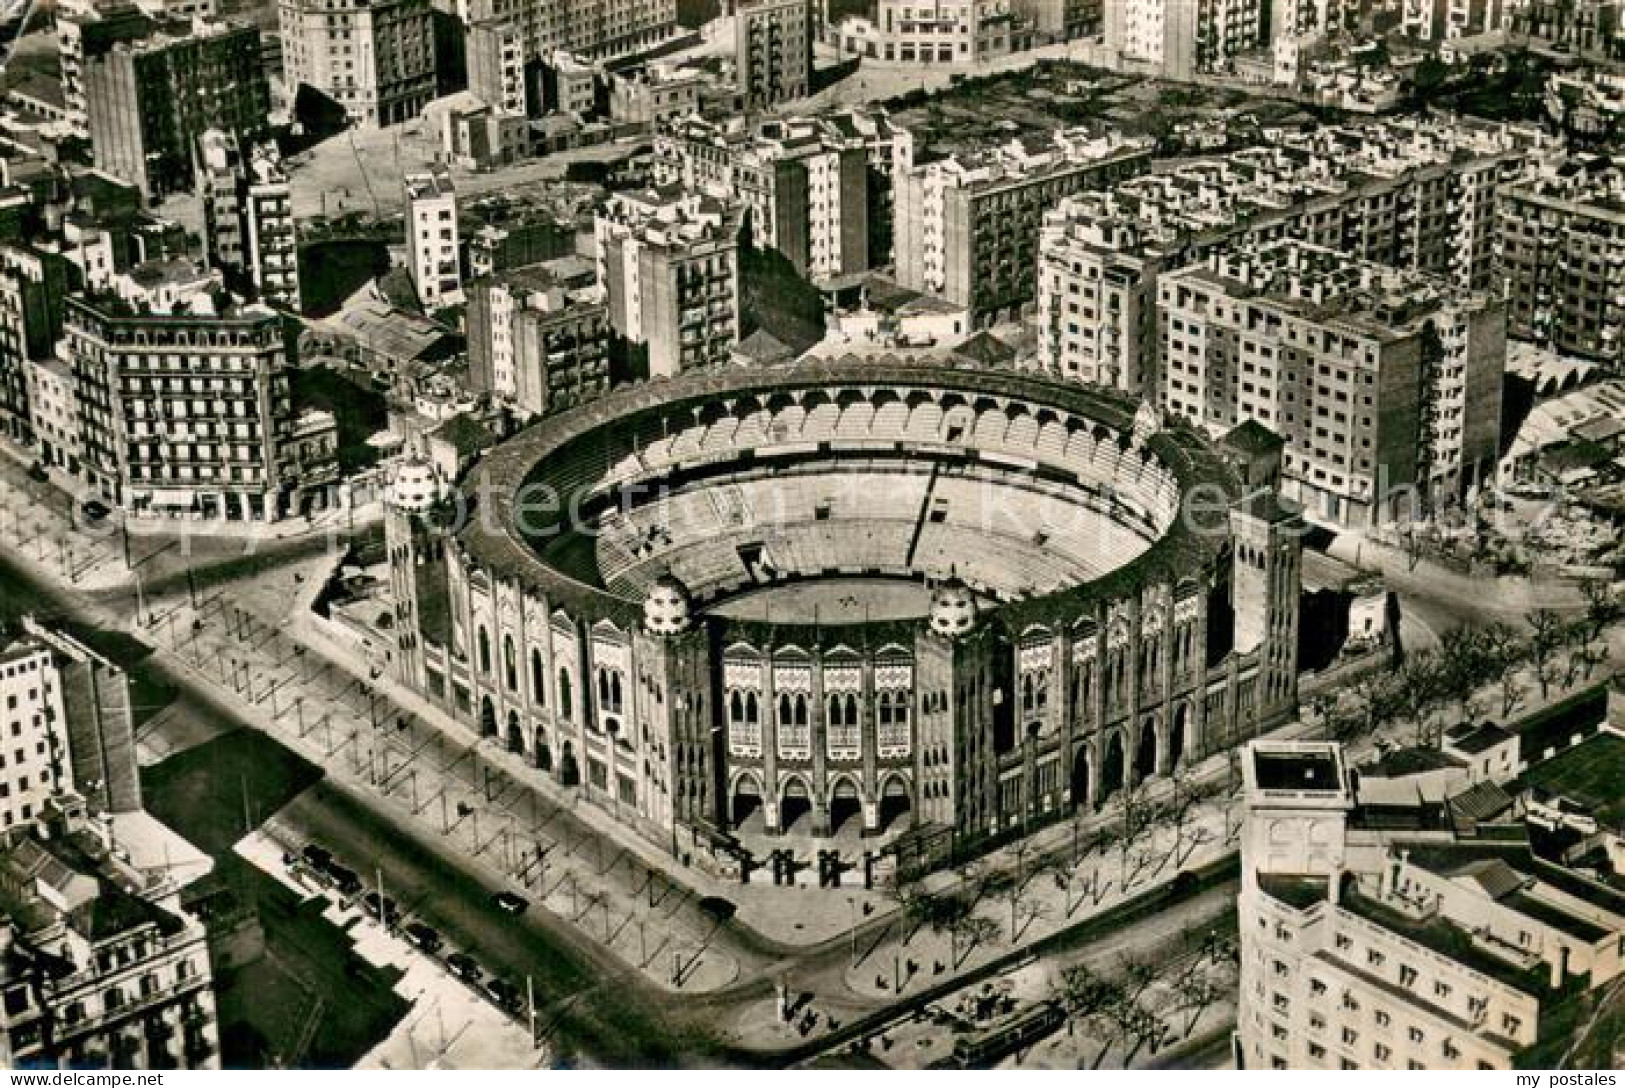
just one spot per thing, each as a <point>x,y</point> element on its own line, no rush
<point>505,994</point>
<point>511,903</point>
<point>345,881</point>
<point>424,937</point>
<point>463,966</point>
<point>36,471</point>
<point>317,857</point>
<point>94,509</point>
<point>389,912</point>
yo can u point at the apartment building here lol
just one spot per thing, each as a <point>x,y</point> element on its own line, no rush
<point>811,186</point>
<point>1448,20</point>
<point>669,263</point>
<point>1562,258</point>
<point>92,31</point>
<point>538,341</point>
<point>376,58</point>
<point>1060,20</point>
<point>1384,384</point>
<point>1185,37</point>
<point>962,33</point>
<point>248,230</point>
<point>1415,194</point>
<point>33,732</point>
<point>1384,928</point>
<point>510,43</point>
<point>432,240</point>
<point>773,50</point>
<point>1585,26</point>
<point>184,402</point>
<point>966,226</point>
<point>1300,19</point>
<point>149,98</point>
<point>103,969</point>
<point>32,285</point>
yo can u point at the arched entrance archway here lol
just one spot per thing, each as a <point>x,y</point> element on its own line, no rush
<point>1176,737</point>
<point>896,803</point>
<point>845,806</point>
<point>542,753</point>
<point>488,717</point>
<point>516,734</point>
<point>1080,777</point>
<point>1145,752</point>
<point>1111,768</point>
<point>745,800</point>
<point>569,771</point>
<point>794,803</point>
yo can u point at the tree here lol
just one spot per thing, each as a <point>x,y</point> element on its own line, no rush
<point>1545,636</point>
<point>968,931</point>
<point>1601,606</point>
<point>1421,682</point>
<point>1512,693</point>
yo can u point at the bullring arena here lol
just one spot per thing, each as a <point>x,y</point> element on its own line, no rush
<point>930,608</point>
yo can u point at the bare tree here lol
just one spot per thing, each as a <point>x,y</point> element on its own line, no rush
<point>1512,693</point>
<point>1545,636</point>
<point>1602,607</point>
<point>968,931</point>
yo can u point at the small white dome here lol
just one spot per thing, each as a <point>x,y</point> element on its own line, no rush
<point>668,608</point>
<point>953,608</point>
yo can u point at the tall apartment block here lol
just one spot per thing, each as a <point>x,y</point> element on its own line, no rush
<point>33,732</point>
<point>1184,37</point>
<point>966,227</point>
<point>96,717</point>
<point>536,342</point>
<point>1383,927</point>
<point>669,262</point>
<point>1418,195</point>
<point>811,186</point>
<point>32,286</point>
<point>1562,258</point>
<point>773,50</point>
<point>1448,20</point>
<point>431,241</point>
<point>148,99</point>
<point>376,58</point>
<point>508,41</point>
<point>88,30</point>
<point>103,967</point>
<point>248,230</point>
<point>1385,385</point>
<point>184,401</point>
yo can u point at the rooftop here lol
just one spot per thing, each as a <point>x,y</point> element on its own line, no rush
<point>1307,769</point>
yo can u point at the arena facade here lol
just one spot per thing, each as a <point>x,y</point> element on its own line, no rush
<point>666,600</point>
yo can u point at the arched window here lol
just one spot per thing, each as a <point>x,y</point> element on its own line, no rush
<point>784,709</point>
<point>564,692</point>
<point>736,707</point>
<point>538,678</point>
<point>615,691</point>
<point>484,640</point>
<point>510,666</point>
<point>801,710</point>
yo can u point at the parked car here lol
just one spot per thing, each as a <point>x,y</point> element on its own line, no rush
<point>505,994</point>
<point>511,903</point>
<point>463,966</point>
<point>345,881</point>
<point>387,911</point>
<point>424,937</point>
<point>317,857</point>
<point>36,471</point>
<point>94,509</point>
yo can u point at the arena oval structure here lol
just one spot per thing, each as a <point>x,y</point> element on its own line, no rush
<point>904,610</point>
